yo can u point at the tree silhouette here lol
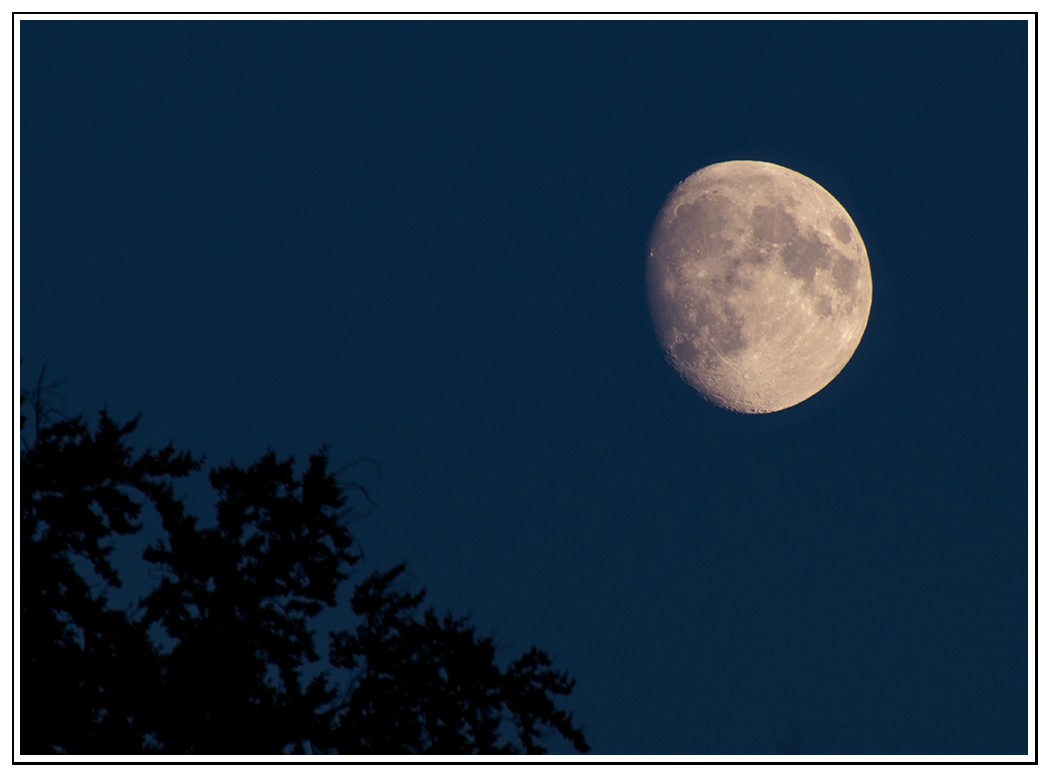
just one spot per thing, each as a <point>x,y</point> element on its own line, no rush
<point>433,686</point>
<point>87,672</point>
<point>234,602</point>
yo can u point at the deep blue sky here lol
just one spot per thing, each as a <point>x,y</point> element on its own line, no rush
<point>424,242</point>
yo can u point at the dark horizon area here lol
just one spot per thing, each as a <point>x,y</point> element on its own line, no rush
<point>423,242</point>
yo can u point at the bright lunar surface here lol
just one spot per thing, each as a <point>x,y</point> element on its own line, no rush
<point>758,283</point>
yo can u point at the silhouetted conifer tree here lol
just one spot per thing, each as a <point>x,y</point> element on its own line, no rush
<point>235,600</point>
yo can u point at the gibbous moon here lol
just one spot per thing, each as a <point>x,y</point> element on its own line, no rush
<point>758,284</point>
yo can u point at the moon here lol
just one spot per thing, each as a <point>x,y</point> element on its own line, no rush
<point>758,284</point>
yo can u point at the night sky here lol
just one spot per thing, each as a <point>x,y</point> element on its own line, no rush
<point>424,241</point>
